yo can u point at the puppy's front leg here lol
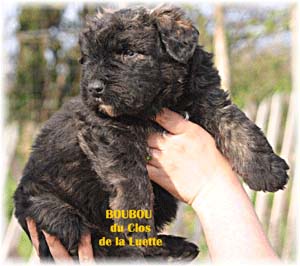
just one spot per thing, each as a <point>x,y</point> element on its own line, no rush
<point>124,176</point>
<point>242,142</point>
<point>134,192</point>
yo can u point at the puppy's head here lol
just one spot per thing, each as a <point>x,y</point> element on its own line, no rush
<point>135,61</point>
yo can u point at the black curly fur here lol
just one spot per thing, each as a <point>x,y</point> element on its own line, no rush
<point>90,156</point>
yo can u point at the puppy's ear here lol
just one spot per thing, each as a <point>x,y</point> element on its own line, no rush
<point>83,44</point>
<point>177,33</point>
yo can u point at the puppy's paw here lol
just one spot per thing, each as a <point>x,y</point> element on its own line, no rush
<point>127,253</point>
<point>175,249</point>
<point>68,231</point>
<point>266,172</point>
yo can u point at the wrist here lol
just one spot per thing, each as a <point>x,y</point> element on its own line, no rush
<point>219,175</point>
<point>218,188</point>
<point>227,204</point>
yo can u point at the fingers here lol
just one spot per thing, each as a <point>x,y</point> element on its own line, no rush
<point>57,250</point>
<point>85,250</point>
<point>155,175</point>
<point>33,233</point>
<point>171,121</point>
<point>161,178</point>
<point>156,141</point>
<point>155,157</point>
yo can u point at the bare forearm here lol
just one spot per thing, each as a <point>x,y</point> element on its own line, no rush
<point>232,229</point>
<point>230,224</point>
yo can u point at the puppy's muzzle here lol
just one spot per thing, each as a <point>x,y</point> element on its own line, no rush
<point>96,88</point>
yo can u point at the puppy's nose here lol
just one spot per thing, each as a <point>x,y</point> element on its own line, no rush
<point>96,86</point>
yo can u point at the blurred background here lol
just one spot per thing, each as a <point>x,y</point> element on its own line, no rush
<point>254,47</point>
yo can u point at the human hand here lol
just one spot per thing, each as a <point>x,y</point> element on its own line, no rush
<point>186,161</point>
<point>57,250</point>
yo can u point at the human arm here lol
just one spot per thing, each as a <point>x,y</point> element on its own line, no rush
<point>187,163</point>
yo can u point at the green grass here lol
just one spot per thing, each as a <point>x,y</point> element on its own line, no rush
<point>24,246</point>
<point>10,187</point>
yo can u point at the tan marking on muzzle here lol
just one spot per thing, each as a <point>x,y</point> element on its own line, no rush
<point>108,109</point>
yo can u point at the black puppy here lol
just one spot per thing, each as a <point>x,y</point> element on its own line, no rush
<point>91,155</point>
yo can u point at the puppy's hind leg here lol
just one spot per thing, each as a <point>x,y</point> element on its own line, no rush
<point>59,219</point>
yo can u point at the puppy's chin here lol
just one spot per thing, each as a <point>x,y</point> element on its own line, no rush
<point>107,109</point>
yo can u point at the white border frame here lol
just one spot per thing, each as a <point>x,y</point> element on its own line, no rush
<point>2,99</point>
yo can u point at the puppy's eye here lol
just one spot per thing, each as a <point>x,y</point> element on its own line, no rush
<point>84,58</point>
<point>129,53</point>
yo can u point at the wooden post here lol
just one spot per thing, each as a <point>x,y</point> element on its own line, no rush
<point>291,240</point>
<point>280,202</point>
<point>262,198</point>
<point>220,46</point>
